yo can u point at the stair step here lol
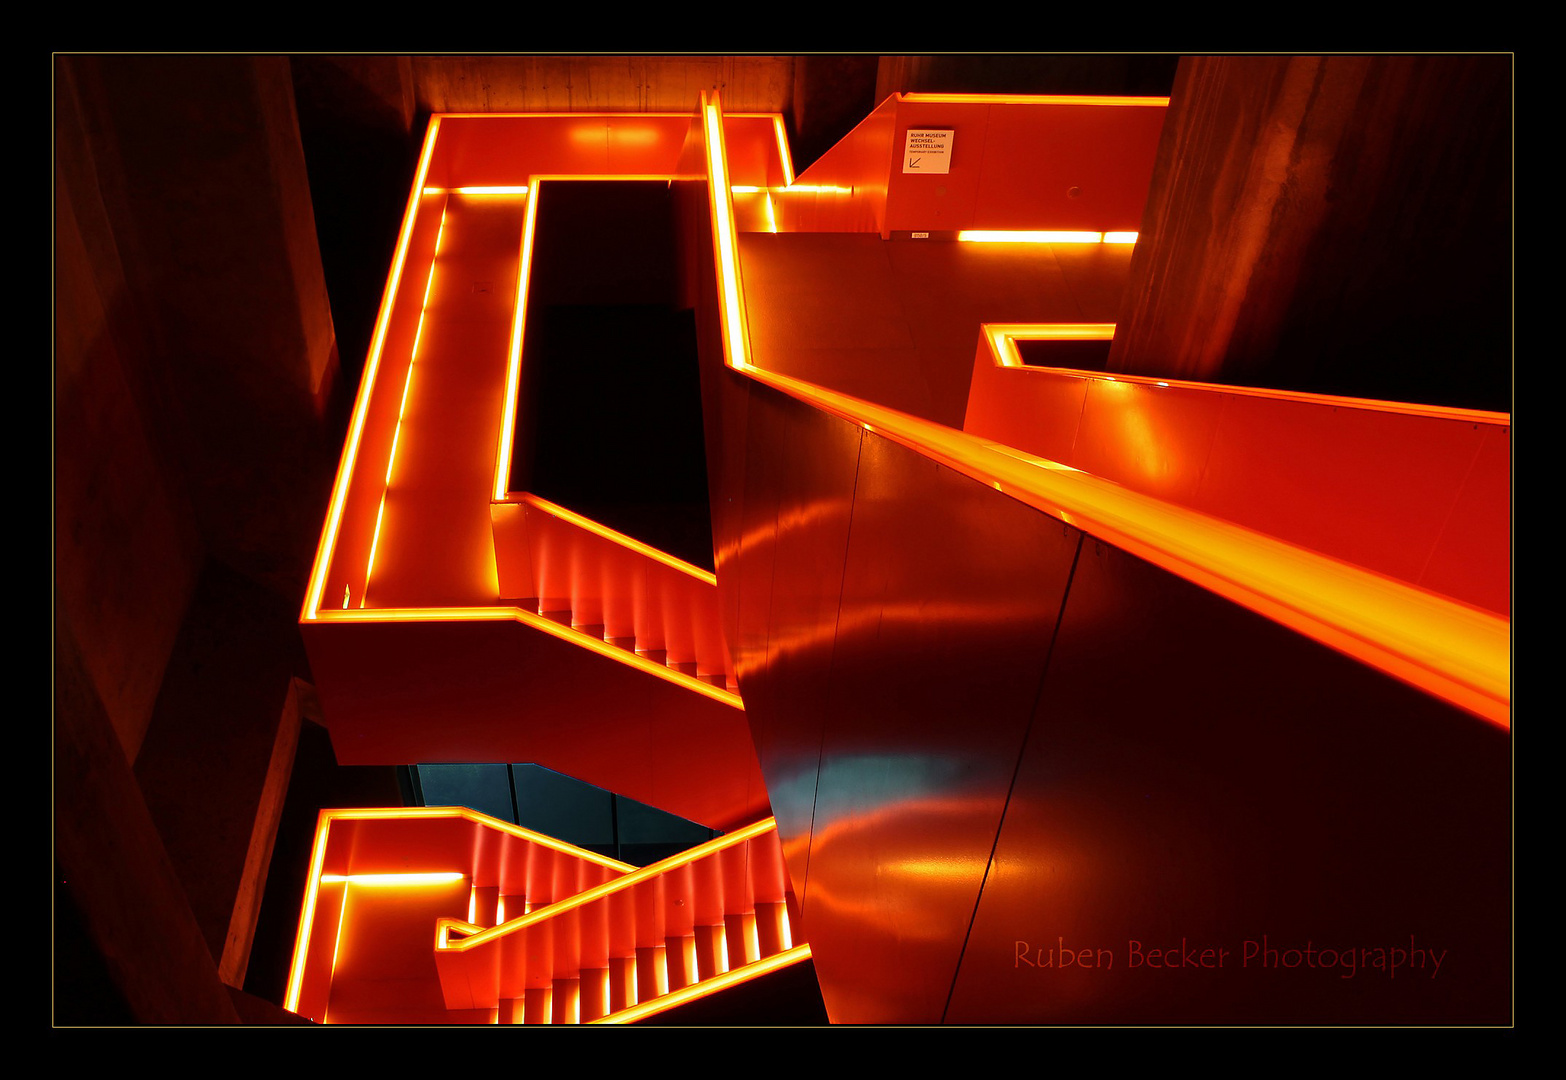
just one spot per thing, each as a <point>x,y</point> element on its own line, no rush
<point>654,971</point>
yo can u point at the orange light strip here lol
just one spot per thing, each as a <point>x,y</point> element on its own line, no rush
<point>1001,236</point>
<point>519,315</point>
<point>439,877</point>
<point>717,983</point>
<point>517,190</point>
<point>570,115</point>
<point>1003,337</point>
<point>548,626</point>
<point>796,189</point>
<point>783,153</point>
<point>402,406</point>
<point>1032,99</point>
<point>1120,237</point>
<point>1444,648</point>
<point>736,337</point>
<point>1000,336</point>
<point>619,538</point>
<point>508,419</point>
<point>318,878</point>
<point>307,914</point>
<point>345,467</point>
<point>629,881</point>
<point>375,543</point>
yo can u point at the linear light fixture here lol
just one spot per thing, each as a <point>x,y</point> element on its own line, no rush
<point>327,547</point>
<point>917,97</point>
<point>1006,236</point>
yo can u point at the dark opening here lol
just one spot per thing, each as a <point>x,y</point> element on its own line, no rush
<point>609,421</point>
<point>1077,355</point>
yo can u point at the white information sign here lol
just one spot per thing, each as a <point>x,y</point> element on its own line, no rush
<point>928,150</point>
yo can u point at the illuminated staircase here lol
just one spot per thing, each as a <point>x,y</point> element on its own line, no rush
<point>611,587</point>
<point>549,933</point>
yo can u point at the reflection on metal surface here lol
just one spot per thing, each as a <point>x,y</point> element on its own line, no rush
<point>1443,648</point>
<point>897,619</point>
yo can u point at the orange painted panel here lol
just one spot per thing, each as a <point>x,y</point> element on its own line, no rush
<point>1420,495</point>
<point>1026,166</point>
<point>845,189</point>
<point>1198,778</point>
<point>1150,438</point>
<point>1471,559</point>
<point>1039,415</point>
<point>482,689</point>
<point>941,639</point>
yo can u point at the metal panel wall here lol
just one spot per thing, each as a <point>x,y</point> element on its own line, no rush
<point>1198,778</point>
<point>950,597</point>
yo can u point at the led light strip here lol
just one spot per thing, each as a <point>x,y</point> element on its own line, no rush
<point>548,626</point>
<point>345,468</point>
<point>508,419</point>
<point>630,542</point>
<point>629,881</point>
<point>445,877</point>
<point>513,190</point>
<point>917,97</point>
<point>1003,338</point>
<point>735,334</point>
<point>402,408</point>
<point>318,877</point>
<point>1004,236</point>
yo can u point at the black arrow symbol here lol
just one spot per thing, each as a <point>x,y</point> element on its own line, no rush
<point>913,163</point>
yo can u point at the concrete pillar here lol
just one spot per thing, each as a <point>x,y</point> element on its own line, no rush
<point>1337,225</point>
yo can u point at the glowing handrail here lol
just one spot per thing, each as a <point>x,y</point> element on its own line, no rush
<point>326,548</point>
<point>919,97</point>
<point>1445,648</point>
<point>319,877</point>
<point>707,987</point>
<point>443,927</point>
<point>614,537</point>
<point>1002,338</point>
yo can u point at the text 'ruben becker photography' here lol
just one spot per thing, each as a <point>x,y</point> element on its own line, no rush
<point>1264,954</point>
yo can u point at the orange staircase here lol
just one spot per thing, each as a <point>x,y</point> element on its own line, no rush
<point>579,573</point>
<point>547,932</point>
